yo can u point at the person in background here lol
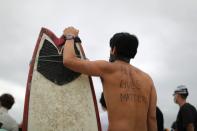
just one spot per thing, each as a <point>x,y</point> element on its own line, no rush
<point>104,115</point>
<point>187,115</point>
<point>160,120</point>
<point>7,122</point>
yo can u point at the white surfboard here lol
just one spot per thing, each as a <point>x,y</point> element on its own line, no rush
<point>58,99</point>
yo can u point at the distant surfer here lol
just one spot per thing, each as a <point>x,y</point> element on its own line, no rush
<point>129,92</point>
<point>6,121</point>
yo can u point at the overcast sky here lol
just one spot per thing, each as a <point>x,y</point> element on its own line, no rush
<point>166,30</point>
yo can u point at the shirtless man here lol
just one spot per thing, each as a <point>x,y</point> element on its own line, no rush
<point>129,92</point>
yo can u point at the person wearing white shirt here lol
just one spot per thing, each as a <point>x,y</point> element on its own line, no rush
<point>6,121</point>
<point>104,115</point>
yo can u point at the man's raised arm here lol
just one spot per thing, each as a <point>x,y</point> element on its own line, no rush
<point>70,60</point>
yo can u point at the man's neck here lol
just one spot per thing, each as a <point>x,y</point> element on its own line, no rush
<point>182,103</point>
<point>127,60</point>
<point>114,58</point>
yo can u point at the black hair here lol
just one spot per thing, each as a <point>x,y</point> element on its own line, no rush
<point>102,101</point>
<point>125,43</point>
<point>7,101</point>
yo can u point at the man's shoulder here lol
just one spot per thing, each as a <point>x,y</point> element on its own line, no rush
<point>7,117</point>
<point>143,74</point>
<point>105,65</point>
<point>188,106</point>
<point>102,62</point>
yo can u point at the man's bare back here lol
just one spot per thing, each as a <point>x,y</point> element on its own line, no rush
<point>129,93</point>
